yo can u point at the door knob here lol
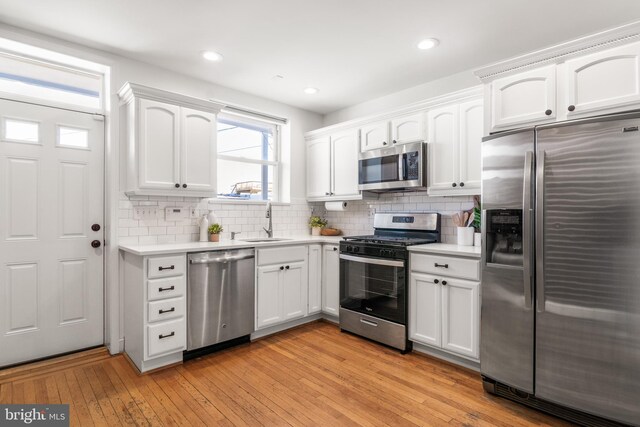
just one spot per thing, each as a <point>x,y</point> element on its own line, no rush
<point>384,142</point>
<point>282,267</point>
<point>444,282</point>
<point>395,142</point>
<point>436,281</point>
<point>287,267</point>
<point>462,184</point>
<point>184,185</point>
<point>95,244</point>
<point>95,227</point>
<point>177,185</point>
<point>548,112</point>
<point>454,184</point>
<point>572,107</point>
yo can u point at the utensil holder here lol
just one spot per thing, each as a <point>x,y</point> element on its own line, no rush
<point>465,236</point>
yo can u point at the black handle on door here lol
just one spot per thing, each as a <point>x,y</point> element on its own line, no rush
<point>95,244</point>
<point>548,112</point>
<point>462,184</point>
<point>282,267</point>
<point>436,281</point>
<point>177,185</point>
<point>572,107</point>
<point>170,288</point>
<point>172,309</point>
<point>453,184</point>
<point>384,142</point>
<point>167,268</point>
<point>395,142</point>
<point>95,227</point>
<point>287,267</point>
<point>335,249</point>
<point>444,283</point>
<point>184,185</point>
<point>442,265</point>
<point>166,336</point>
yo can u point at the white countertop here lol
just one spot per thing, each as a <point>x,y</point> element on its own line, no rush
<point>171,248</point>
<point>448,249</point>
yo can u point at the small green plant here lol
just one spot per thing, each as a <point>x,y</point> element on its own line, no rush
<point>317,222</point>
<point>215,229</point>
<point>477,214</point>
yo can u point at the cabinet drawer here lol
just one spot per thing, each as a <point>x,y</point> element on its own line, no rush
<point>446,266</point>
<point>166,309</point>
<point>166,266</point>
<point>166,337</point>
<point>168,287</point>
<point>282,254</point>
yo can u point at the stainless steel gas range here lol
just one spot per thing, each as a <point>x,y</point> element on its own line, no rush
<point>374,275</point>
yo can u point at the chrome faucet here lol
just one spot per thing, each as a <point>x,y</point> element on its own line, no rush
<point>268,215</point>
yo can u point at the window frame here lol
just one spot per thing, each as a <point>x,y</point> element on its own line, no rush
<point>255,124</point>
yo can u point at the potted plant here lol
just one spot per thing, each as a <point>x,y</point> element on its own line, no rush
<point>214,232</point>
<point>317,223</point>
<point>477,221</point>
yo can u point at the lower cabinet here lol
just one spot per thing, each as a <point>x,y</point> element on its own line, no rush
<point>281,285</point>
<point>444,312</point>
<point>331,280</point>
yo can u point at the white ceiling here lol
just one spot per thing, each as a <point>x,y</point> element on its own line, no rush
<point>352,50</point>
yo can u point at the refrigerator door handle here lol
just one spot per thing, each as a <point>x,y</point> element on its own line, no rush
<point>527,239</point>
<point>540,231</point>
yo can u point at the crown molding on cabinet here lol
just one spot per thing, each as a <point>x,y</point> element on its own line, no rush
<point>605,39</point>
<point>131,90</point>
<point>458,96</point>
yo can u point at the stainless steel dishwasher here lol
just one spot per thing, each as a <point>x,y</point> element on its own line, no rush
<point>220,296</point>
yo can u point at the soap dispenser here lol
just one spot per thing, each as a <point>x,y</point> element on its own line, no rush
<point>204,229</point>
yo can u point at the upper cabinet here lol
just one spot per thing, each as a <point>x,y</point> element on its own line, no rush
<point>455,138</point>
<point>332,167</point>
<point>171,143</point>
<point>528,97</point>
<point>603,80</point>
<point>574,84</point>
<point>400,130</point>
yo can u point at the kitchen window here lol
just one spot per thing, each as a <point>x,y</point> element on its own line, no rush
<point>248,158</point>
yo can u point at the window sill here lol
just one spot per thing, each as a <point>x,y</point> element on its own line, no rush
<point>213,201</point>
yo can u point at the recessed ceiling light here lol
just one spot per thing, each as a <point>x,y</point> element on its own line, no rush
<point>311,91</point>
<point>210,55</point>
<point>428,44</point>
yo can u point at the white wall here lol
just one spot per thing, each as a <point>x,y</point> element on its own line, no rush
<point>404,97</point>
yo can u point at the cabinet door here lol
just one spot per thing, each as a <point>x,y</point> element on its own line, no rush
<point>295,282</point>
<point>331,280</point>
<point>319,168</point>
<point>460,317</point>
<point>315,279</point>
<point>159,136</point>
<point>268,296</point>
<point>425,304</point>
<point>471,133</point>
<point>344,159</point>
<point>443,124</point>
<point>198,153</point>
<point>603,80</point>
<point>524,98</point>
<point>374,135</point>
<point>408,129</point>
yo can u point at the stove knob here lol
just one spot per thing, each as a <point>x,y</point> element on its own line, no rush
<point>349,248</point>
<point>356,249</point>
<point>391,253</point>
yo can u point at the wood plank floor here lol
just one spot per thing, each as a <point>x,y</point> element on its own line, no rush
<point>309,376</point>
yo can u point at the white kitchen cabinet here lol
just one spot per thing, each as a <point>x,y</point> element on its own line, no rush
<point>314,304</point>
<point>155,326</point>
<point>332,167</point>
<point>319,168</point>
<point>170,143</point>
<point>409,128</point>
<point>375,136</point>
<point>444,311</point>
<point>331,280</point>
<point>282,285</point>
<point>524,98</point>
<point>602,80</point>
<point>455,138</point>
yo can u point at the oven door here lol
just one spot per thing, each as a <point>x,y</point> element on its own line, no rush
<point>374,286</point>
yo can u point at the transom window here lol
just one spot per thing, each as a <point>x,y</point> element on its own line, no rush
<point>248,162</point>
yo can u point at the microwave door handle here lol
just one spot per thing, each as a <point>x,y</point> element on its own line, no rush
<point>403,166</point>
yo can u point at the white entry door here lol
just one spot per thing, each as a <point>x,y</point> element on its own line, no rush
<point>51,211</point>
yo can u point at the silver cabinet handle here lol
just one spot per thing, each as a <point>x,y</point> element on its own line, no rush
<point>220,259</point>
<point>161,337</point>
<point>526,228</point>
<point>539,232</point>
<point>171,310</point>
<point>368,322</point>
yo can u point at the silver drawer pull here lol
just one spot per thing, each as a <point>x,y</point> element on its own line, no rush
<point>442,265</point>
<point>166,336</point>
<point>170,288</point>
<point>167,311</point>
<point>166,268</point>
<point>368,322</point>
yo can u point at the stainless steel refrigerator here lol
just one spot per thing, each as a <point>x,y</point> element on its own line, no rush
<point>560,319</point>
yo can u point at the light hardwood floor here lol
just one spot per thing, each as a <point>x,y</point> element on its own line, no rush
<point>309,376</point>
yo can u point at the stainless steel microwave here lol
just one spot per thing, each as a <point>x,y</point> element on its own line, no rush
<point>397,168</point>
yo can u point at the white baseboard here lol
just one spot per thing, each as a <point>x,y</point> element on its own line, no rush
<point>284,326</point>
<point>467,363</point>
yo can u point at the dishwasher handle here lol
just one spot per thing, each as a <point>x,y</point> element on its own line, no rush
<point>221,259</point>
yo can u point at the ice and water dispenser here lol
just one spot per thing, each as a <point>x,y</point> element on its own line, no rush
<point>504,236</point>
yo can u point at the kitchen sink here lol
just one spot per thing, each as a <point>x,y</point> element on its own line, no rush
<point>264,239</point>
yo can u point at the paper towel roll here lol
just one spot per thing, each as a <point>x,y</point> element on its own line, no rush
<point>335,206</point>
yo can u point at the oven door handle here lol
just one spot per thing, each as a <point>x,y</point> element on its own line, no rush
<point>376,261</point>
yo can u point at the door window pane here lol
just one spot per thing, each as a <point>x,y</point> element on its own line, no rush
<point>73,137</point>
<point>21,131</point>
